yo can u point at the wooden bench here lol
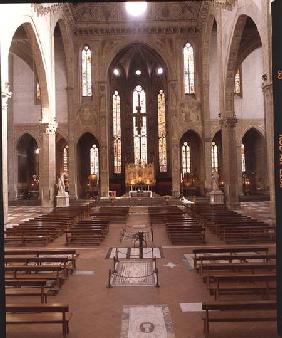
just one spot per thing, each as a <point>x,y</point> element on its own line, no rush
<point>218,312</point>
<point>36,272</point>
<point>39,314</point>
<point>27,239</point>
<point>231,250</point>
<point>24,287</point>
<point>233,282</point>
<point>71,254</point>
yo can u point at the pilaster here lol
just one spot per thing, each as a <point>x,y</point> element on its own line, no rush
<point>5,95</point>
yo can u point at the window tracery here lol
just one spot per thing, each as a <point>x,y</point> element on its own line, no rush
<point>94,160</point>
<point>139,125</point>
<point>86,61</point>
<point>189,71</point>
<point>116,133</point>
<point>162,132</point>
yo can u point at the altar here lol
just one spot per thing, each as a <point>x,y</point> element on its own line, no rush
<point>140,179</point>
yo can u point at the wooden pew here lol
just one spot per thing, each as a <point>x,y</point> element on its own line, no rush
<point>230,250</point>
<point>25,287</point>
<point>39,314</point>
<point>71,254</point>
<point>243,311</point>
<point>51,272</point>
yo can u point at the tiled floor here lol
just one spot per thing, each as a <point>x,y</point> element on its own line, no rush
<point>258,210</point>
<point>105,313</point>
<point>17,214</point>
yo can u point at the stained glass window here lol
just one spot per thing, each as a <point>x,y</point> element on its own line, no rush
<point>243,160</point>
<point>189,74</point>
<point>66,159</point>
<point>86,59</point>
<point>186,158</point>
<point>38,92</point>
<point>214,157</point>
<point>116,133</point>
<point>94,160</point>
<point>237,79</point>
<point>139,125</point>
<point>162,132</point>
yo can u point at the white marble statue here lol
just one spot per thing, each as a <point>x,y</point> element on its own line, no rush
<point>215,180</point>
<point>61,186</point>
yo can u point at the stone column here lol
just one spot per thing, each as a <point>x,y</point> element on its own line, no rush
<point>230,168</point>
<point>12,147</point>
<point>174,123</point>
<point>72,169</point>
<point>104,142</point>
<point>47,165</point>
<point>72,145</point>
<point>208,163</point>
<point>239,165</point>
<point>269,132</point>
<point>6,95</point>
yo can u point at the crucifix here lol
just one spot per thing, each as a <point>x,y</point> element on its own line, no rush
<point>139,122</point>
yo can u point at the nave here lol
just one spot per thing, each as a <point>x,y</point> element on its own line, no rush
<point>175,308</point>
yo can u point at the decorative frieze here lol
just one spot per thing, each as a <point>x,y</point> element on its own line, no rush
<point>134,29</point>
<point>45,8</point>
<point>228,122</point>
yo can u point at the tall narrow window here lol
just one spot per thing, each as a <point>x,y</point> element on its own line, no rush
<point>162,132</point>
<point>238,82</point>
<point>116,133</point>
<point>243,158</point>
<point>86,59</point>
<point>66,159</point>
<point>186,158</point>
<point>189,74</point>
<point>94,160</point>
<point>139,126</point>
<point>214,157</point>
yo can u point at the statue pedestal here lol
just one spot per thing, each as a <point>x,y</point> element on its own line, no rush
<point>62,201</point>
<point>216,197</point>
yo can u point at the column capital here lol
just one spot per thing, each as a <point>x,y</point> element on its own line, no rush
<point>49,127</point>
<point>6,94</point>
<point>228,122</point>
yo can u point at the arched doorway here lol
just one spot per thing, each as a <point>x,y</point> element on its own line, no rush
<point>138,127</point>
<point>254,170</point>
<point>191,164</point>
<point>88,164</point>
<point>28,168</point>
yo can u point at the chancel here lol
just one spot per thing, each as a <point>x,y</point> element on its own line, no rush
<point>138,169</point>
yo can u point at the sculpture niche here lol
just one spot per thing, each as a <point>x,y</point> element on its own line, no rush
<point>62,198</point>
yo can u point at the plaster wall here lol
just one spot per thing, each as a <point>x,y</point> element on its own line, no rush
<point>25,111</point>
<point>213,78</point>
<point>251,105</point>
<point>61,82</point>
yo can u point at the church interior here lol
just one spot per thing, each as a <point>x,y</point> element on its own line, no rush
<point>138,169</point>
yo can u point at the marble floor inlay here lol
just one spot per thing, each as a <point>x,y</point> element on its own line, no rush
<point>134,273</point>
<point>134,253</point>
<point>146,321</point>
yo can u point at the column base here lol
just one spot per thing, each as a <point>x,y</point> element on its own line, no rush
<point>216,197</point>
<point>62,201</point>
